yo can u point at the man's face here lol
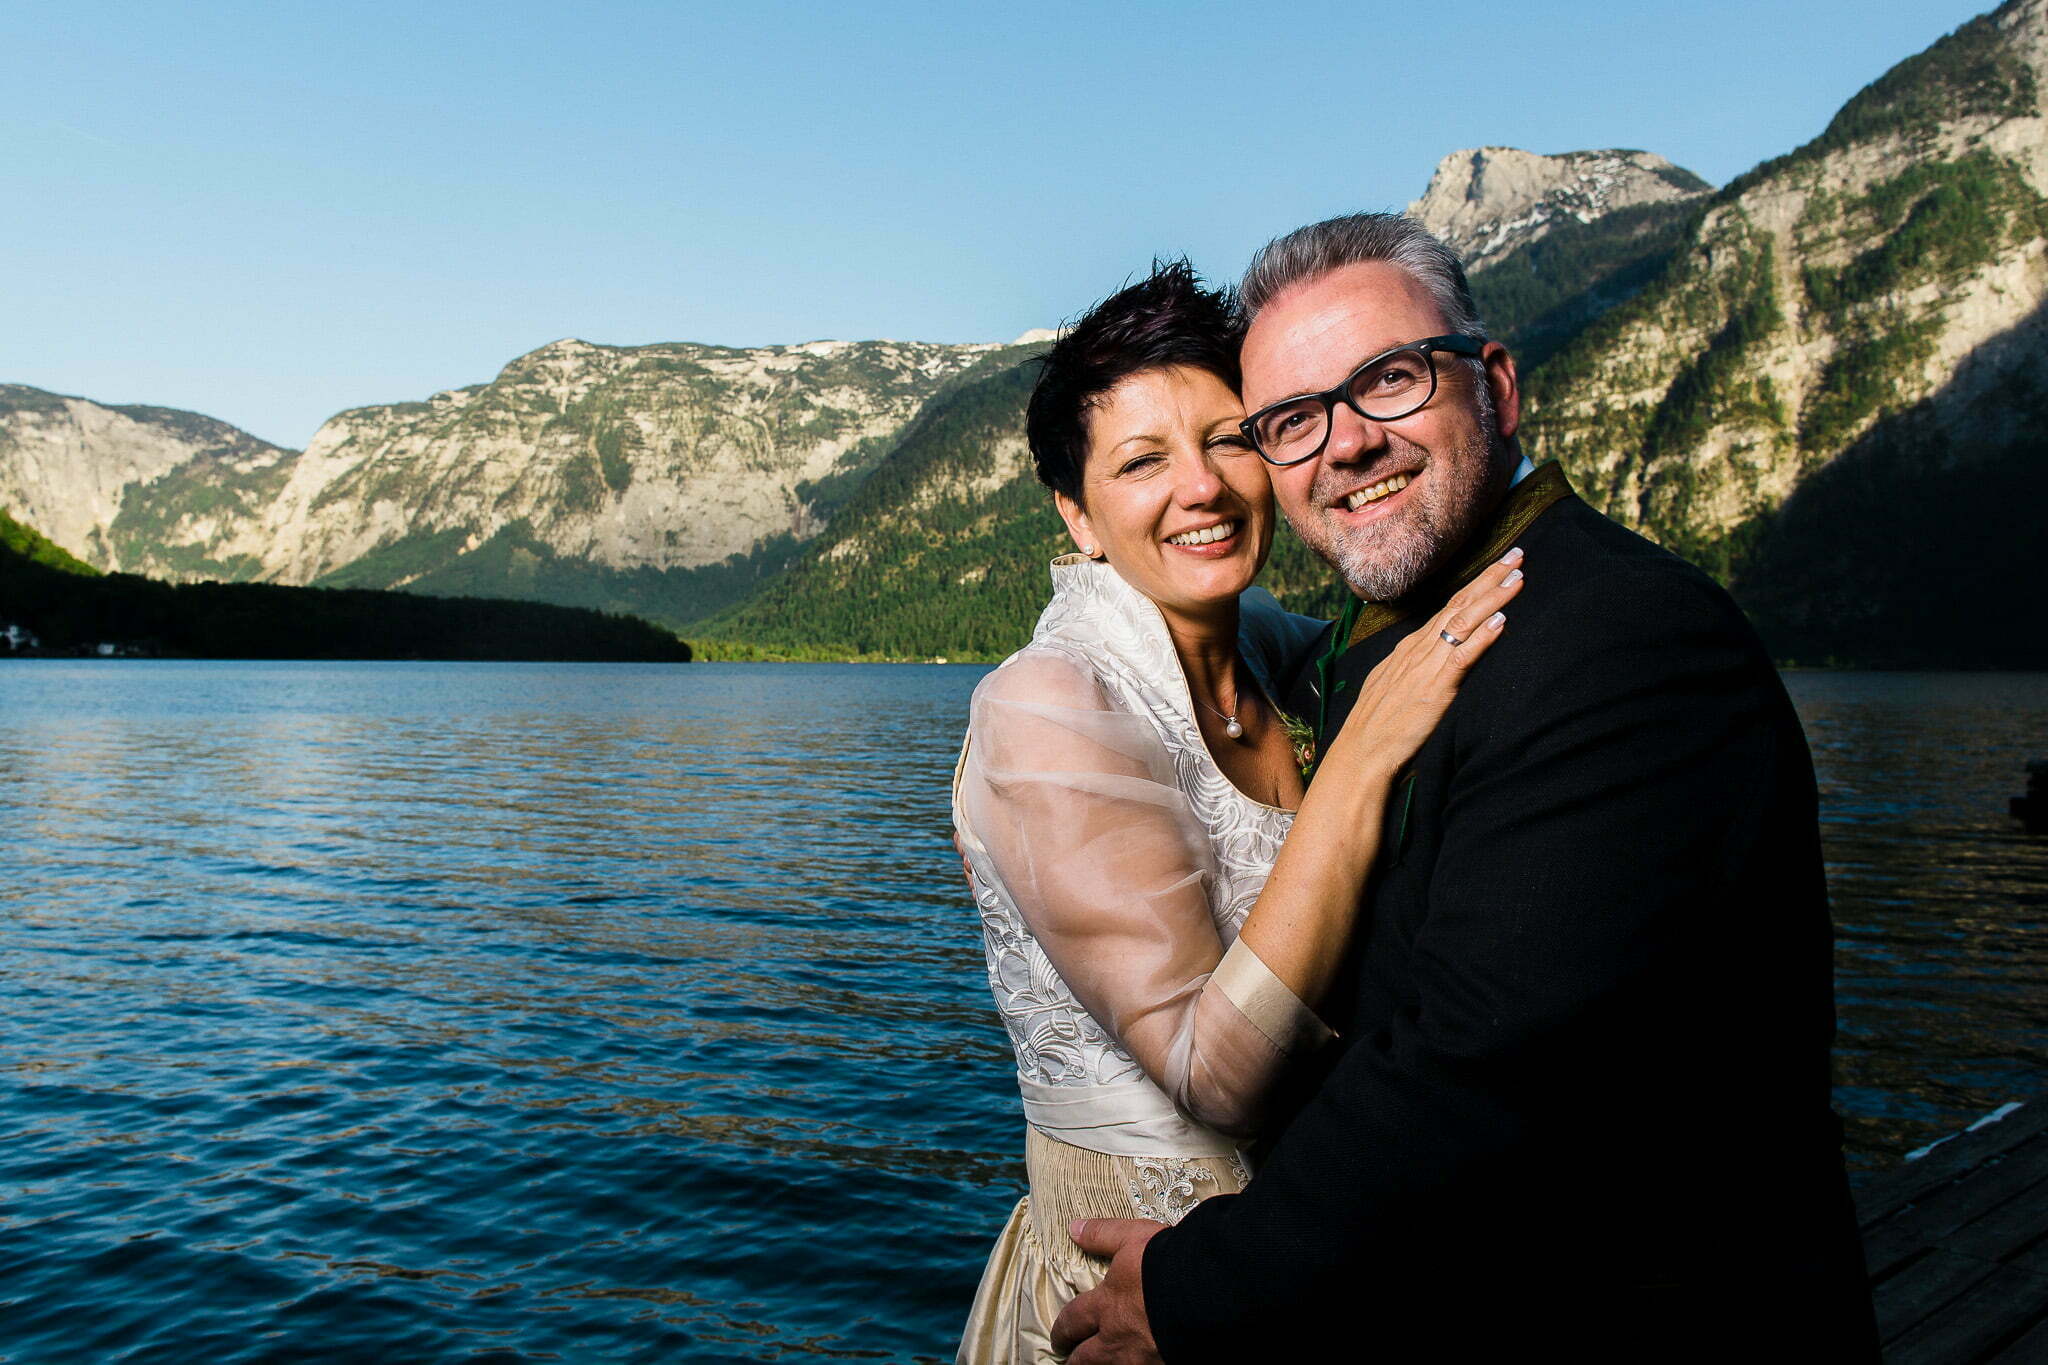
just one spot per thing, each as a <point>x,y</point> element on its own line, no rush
<point>1453,452</point>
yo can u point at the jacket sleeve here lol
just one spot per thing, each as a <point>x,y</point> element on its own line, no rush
<point>1069,807</point>
<point>1592,790</point>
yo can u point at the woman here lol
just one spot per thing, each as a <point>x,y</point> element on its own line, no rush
<point>1127,783</point>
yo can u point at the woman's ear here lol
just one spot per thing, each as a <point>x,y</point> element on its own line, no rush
<point>1077,523</point>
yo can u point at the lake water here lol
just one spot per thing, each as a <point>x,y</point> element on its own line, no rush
<point>508,1012</point>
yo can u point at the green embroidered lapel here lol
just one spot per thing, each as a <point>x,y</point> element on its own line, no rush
<point>1525,502</point>
<point>1360,620</point>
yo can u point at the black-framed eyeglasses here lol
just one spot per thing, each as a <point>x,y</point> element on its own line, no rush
<point>1392,384</point>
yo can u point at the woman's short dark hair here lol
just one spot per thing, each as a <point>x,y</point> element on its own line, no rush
<point>1167,318</point>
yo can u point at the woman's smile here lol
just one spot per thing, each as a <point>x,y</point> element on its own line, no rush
<point>1213,540</point>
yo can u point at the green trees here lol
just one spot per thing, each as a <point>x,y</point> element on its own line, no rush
<point>72,608</point>
<point>26,542</point>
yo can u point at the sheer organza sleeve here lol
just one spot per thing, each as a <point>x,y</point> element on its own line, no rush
<point>1074,805</point>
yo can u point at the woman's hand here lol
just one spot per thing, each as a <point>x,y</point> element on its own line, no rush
<point>1302,925</point>
<point>1407,694</point>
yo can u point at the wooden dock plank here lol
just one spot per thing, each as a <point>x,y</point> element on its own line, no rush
<point>1959,1154</point>
<point>1957,1247</point>
<point>1947,1209</point>
<point>2034,1258</point>
<point>1923,1289</point>
<point>2010,1230</point>
<point>2002,1306</point>
<point>2030,1349</point>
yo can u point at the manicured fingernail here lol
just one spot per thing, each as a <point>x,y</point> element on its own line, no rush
<point>1513,556</point>
<point>1074,1229</point>
<point>1497,620</point>
<point>1512,579</point>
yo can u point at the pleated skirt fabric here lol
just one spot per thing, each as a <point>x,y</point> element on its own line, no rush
<point>1035,1267</point>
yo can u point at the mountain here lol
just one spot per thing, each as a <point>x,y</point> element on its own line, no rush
<point>660,479</point>
<point>1551,242</point>
<point>70,465</point>
<point>1834,393</point>
<point>1489,202</point>
<point>942,552</point>
<point>1824,382</point>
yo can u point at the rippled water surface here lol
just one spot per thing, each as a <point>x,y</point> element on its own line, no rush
<point>616,1012</point>
<point>1940,897</point>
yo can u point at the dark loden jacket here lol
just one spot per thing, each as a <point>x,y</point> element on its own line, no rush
<point>1581,1097</point>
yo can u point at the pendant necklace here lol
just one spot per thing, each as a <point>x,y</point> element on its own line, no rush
<point>1230,724</point>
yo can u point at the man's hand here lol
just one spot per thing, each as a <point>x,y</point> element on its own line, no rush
<point>1106,1325</point>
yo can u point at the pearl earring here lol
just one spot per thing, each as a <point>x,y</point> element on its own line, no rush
<point>1088,550</point>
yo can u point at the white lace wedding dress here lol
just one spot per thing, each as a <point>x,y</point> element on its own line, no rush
<point>1112,863</point>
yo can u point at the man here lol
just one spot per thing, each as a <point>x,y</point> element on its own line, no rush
<point>1582,1096</point>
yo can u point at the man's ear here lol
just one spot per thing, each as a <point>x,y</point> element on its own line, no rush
<point>1505,386</point>
<point>1077,524</point>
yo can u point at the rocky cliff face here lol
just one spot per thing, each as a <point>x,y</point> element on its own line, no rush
<point>67,465</point>
<point>584,472</point>
<point>1488,201</point>
<point>628,457</point>
<point>1552,242</point>
<point>1833,394</point>
<point>1827,383</point>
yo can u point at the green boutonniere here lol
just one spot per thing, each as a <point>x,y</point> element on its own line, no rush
<point>1302,736</point>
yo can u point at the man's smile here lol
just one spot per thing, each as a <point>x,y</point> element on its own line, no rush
<point>1385,488</point>
<point>1376,494</point>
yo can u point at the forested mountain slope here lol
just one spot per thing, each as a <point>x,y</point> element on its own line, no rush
<point>1825,383</point>
<point>663,479</point>
<point>1833,395</point>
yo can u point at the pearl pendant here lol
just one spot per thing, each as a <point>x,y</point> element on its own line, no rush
<point>1232,728</point>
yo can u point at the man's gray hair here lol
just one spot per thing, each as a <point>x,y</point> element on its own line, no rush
<point>1313,251</point>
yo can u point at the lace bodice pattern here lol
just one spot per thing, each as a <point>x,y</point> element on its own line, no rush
<point>1065,1057</point>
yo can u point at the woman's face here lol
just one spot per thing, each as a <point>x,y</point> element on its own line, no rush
<point>1172,496</point>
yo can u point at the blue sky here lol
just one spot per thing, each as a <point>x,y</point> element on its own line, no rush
<point>270,212</point>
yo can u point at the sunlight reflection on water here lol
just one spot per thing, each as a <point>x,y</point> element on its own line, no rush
<point>585,1012</point>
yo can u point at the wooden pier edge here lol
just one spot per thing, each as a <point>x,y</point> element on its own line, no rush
<point>1956,1243</point>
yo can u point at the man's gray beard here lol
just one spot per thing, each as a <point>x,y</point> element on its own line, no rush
<point>1379,567</point>
<point>1380,576</point>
